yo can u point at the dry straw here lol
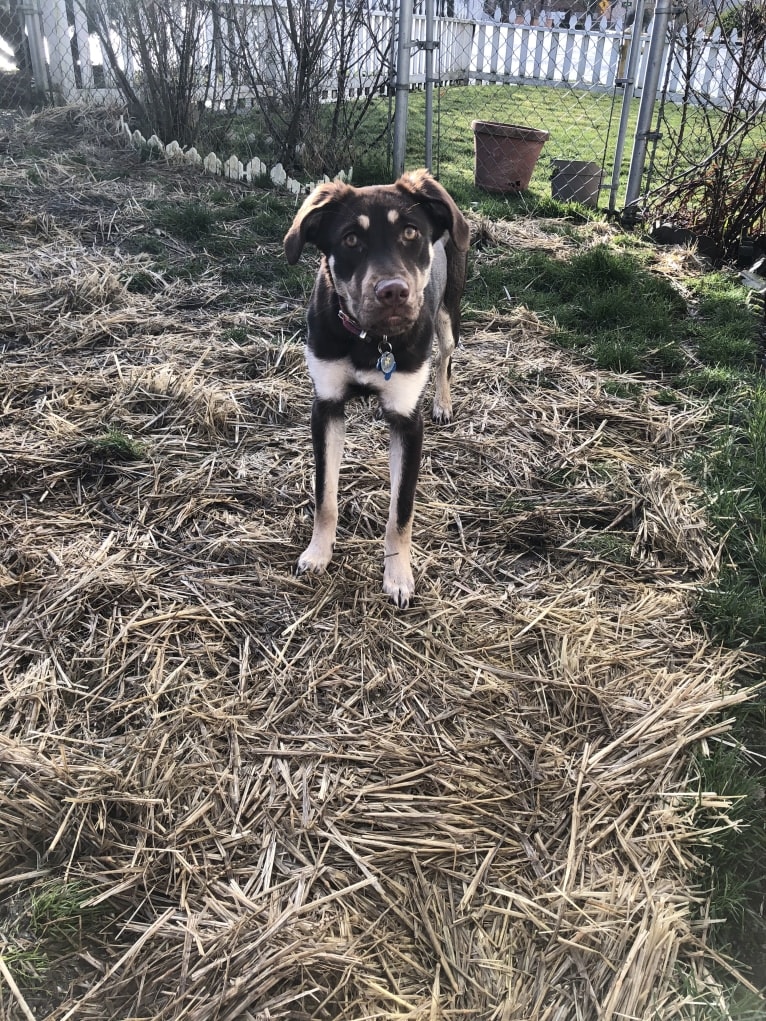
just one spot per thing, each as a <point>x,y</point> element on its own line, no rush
<point>284,799</point>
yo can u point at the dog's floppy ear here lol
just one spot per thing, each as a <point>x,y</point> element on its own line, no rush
<point>307,225</point>
<point>440,205</point>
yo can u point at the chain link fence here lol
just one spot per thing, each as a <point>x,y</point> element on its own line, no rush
<point>706,165</point>
<point>638,112</point>
<point>615,106</point>
<point>532,98</point>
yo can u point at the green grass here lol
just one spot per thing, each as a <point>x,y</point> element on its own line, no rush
<point>734,476</point>
<point>614,548</point>
<point>606,304</point>
<point>56,910</point>
<point>723,325</point>
<point>114,446</point>
<point>733,862</point>
<point>190,221</point>
<point>217,230</point>
<point>27,964</point>
<point>52,921</point>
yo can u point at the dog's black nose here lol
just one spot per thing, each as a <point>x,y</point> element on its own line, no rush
<point>392,292</point>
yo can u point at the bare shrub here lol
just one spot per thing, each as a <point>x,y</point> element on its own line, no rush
<point>163,58</point>
<point>314,70</point>
<point>715,179</point>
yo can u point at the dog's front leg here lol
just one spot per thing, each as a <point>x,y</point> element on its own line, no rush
<point>328,431</point>
<point>445,345</point>
<point>405,450</point>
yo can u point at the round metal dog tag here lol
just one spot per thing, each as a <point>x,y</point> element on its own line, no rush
<point>386,363</point>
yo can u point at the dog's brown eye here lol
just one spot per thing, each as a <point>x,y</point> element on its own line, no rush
<point>410,233</point>
<point>351,240</point>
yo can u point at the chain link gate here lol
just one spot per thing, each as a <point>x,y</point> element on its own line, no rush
<point>565,104</point>
<point>545,101</point>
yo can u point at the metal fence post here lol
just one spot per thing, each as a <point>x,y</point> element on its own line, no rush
<point>403,47</point>
<point>646,110</point>
<point>430,46</point>
<point>628,83</point>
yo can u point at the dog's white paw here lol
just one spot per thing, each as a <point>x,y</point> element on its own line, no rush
<point>399,584</point>
<point>314,558</point>
<point>441,413</point>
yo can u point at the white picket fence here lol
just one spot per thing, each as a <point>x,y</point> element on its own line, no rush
<point>549,50</point>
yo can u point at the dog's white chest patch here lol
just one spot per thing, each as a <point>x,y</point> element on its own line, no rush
<point>398,395</point>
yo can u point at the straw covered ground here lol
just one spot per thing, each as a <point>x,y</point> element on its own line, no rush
<point>253,795</point>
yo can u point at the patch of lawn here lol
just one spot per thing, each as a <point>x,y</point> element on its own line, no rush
<point>191,221</point>
<point>723,326</point>
<point>611,546</point>
<point>56,910</point>
<point>53,920</point>
<point>255,271</point>
<point>224,228</point>
<point>115,446</point>
<point>269,213</point>
<point>733,861</point>
<point>146,281</point>
<point>605,303</point>
<point>734,475</point>
<point>712,381</point>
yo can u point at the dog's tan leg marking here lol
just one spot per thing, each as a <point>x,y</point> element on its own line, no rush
<point>398,580</point>
<point>445,345</point>
<point>318,553</point>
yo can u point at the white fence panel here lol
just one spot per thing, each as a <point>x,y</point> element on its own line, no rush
<point>587,57</point>
<point>546,52</point>
<point>712,66</point>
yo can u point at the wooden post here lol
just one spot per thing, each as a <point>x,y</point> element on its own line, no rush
<point>60,63</point>
<point>34,29</point>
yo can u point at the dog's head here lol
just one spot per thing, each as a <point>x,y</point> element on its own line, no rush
<point>379,244</point>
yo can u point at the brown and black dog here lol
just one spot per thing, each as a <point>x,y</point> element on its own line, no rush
<point>390,281</point>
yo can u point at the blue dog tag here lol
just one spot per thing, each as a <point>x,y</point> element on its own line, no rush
<point>386,363</point>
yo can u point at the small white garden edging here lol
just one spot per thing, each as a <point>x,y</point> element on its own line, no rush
<point>253,172</point>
